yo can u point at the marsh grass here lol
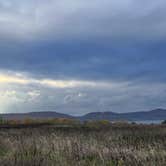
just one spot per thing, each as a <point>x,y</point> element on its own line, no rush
<point>114,145</point>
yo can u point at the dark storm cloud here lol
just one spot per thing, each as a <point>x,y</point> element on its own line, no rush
<point>92,60</point>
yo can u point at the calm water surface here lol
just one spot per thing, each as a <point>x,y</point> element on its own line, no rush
<point>149,122</point>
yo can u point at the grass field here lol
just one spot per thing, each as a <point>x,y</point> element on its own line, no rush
<point>114,145</point>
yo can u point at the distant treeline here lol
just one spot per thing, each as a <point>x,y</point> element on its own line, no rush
<point>62,121</point>
<point>56,121</point>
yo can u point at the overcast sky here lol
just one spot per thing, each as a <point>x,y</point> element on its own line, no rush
<point>75,56</point>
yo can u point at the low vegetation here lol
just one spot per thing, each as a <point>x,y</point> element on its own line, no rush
<point>63,142</point>
<point>164,122</point>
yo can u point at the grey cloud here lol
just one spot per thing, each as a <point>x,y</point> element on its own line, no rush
<point>77,101</point>
<point>81,19</point>
<point>84,40</point>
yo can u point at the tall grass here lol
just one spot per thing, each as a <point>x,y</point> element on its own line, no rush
<point>114,145</point>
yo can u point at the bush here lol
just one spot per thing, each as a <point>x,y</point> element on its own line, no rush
<point>97,123</point>
<point>164,122</point>
<point>2,121</point>
<point>64,121</point>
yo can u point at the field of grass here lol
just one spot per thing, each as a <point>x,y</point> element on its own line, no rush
<point>114,145</point>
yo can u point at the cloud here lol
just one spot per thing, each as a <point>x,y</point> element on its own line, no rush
<point>79,99</point>
<point>33,95</point>
<point>81,56</point>
<point>81,19</point>
<point>18,78</point>
<point>84,40</point>
<point>88,60</point>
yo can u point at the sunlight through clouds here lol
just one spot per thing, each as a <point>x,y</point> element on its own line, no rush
<point>23,80</point>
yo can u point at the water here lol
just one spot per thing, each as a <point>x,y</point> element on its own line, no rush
<point>149,122</point>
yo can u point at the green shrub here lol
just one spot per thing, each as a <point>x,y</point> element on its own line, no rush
<point>2,121</point>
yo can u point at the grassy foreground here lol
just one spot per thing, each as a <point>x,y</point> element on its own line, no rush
<point>114,145</point>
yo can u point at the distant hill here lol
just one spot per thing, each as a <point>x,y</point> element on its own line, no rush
<point>157,114</point>
<point>35,115</point>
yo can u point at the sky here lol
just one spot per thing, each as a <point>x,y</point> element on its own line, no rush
<point>77,56</point>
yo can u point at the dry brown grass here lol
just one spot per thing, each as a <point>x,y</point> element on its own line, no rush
<point>115,145</point>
